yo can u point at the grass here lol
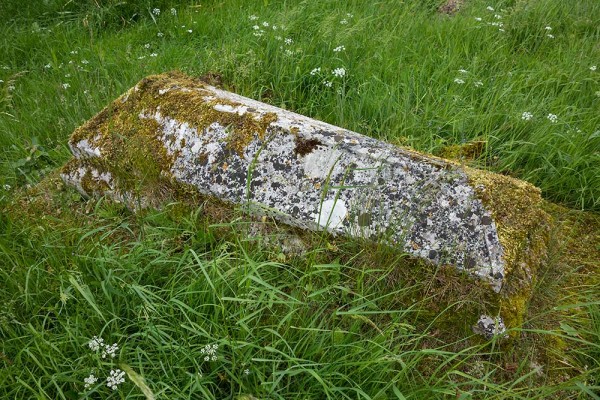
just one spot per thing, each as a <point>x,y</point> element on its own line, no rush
<point>340,321</point>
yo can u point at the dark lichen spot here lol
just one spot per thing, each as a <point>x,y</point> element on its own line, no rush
<point>486,220</point>
<point>305,146</point>
<point>470,263</point>
<point>432,254</point>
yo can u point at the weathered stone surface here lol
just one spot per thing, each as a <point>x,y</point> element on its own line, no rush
<point>308,174</point>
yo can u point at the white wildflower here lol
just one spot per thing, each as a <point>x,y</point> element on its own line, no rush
<point>339,72</point>
<point>189,31</point>
<point>256,27</point>
<point>459,81</point>
<point>478,84</point>
<point>141,57</point>
<point>548,28</point>
<point>288,41</point>
<point>278,38</point>
<point>593,68</point>
<point>350,15</point>
<point>315,71</point>
<point>85,62</point>
<point>339,48</point>
<point>66,86</point>
<point>115,379</point>
<point>96,343</point>
<point>48,66</point>
<point>173,11</point>
<point>328,83</point>
<point>501,30</point>
<point>156,11</point>
<point>463,71</point>
<point>253,18</point>
<point>89,381</point>
<point>12,87</point>
<point>147,46</point>
<point>246,371</point>
<point>258,33</point>
<point>160,34</point>
<point>67,75</point>
<point>74,52</point>
<point>210,352</point>
<point>490,8</point>
<point>526,116</point>
<point>478,19</point>
<point>265,24</point>
<point>498,16</point>
<point>551,36</point>
<point>110,350</point>
<point>552,118</point>
<point>153,55</point>
<point>274,27</point>
<point>344,21</point>
<point>289,52</point>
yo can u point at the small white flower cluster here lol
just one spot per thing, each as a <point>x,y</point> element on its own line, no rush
<point>253,18</point>
<point>315,71</point>
<point>89,381</point>
<point>173,11</point>
<point>490,8</point>
<point>461,81</point>
<point>160,34</point>
<point>339,49</point>
<point>593,68</point>
<point>339,72</point>
<point>526,116</point>
<point>156,11</point>
<point>288,41</point>
<point>96,343</point>
<point>552,118</point>
<point>115,379</point>
<point>210,351</point>
<point>110,350</point>
<point>107,349</point>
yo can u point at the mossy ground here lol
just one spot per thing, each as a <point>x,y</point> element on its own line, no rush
<point>165,283</point>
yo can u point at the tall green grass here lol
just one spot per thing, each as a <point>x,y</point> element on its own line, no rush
<point>333,324</point>
<point>165,285</point>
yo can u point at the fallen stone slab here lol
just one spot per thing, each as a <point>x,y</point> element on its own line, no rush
<point>309,174</point>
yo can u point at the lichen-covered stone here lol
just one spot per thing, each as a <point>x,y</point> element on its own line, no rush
<point>490,327</point>
<point>303,172</point>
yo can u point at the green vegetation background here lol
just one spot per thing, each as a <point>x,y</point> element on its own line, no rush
<point>164,285</point>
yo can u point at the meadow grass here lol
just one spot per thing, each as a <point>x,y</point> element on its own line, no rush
<point>340,321</point>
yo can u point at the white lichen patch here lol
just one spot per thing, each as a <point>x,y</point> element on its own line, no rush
<point>332,215</point>
<point>86,148</point>
<point>240,110</point>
